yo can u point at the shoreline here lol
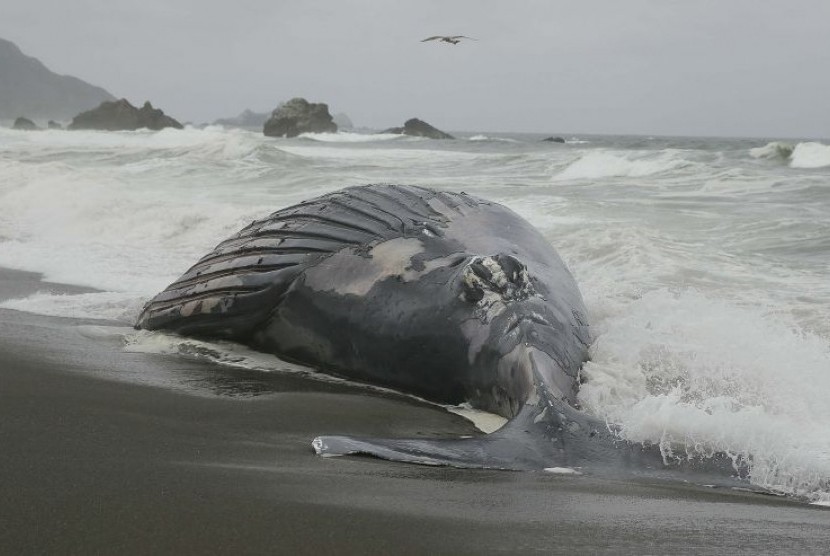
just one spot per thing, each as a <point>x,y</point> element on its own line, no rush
<point>97,457</point>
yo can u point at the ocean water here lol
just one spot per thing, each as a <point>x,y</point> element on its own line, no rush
<point>704,263</point>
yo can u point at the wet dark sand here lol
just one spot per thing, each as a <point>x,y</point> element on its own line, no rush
<point>103,451</point>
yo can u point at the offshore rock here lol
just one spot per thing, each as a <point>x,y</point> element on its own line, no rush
<point>120,115</point>
<point>554,139</point>
<point>343,121</point>
<point>246,119</point>
<point>419,128</point>
<point>298,116</point>
<point>24,124</point>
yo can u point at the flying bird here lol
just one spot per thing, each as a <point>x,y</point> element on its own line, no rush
<point>453,39</point>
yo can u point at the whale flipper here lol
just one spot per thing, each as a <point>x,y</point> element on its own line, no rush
<point>547,435</point>
<point>488,452</point>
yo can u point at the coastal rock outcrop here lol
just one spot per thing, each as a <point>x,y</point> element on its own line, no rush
<point>298,116</point>
<point>52,124</point>
<point>343,121</point>
<point>419,128</point>
<point>553,139</point>
<point>24,123</point>
<point>247,119</point>
<point>120,115</point>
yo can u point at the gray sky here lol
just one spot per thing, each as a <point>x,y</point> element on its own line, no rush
<point>694,67</point>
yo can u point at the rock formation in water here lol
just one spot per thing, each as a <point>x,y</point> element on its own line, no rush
<point>24,123</point>
<point>52,124</point>
<point>28,87</point>
<point>419,128</point>
<point>247,119</point>
<point>299,116</point>
<point>120,115</point>
<point>343,121</point>
<point>553,139</point>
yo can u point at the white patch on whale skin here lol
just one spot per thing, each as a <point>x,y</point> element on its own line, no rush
<point>482,420</point>
<point>443,209</point>
<point>394,256</point>
<point>476,336</point>
<point>350,272</point>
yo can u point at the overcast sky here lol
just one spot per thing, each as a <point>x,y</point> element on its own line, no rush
<point>693,67</point>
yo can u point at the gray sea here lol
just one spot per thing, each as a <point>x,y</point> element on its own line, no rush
<point>704,263</point>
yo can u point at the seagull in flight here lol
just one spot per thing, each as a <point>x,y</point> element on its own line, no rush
<point>452,39</point>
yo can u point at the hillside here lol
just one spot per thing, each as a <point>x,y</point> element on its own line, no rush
<point>28,88</point>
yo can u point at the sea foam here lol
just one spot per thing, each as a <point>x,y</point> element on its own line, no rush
<point>775,150</point>
<point>482,137</point>
<point>700,376</point>
<point>801,155</point>
<point>604,164</point>
<point>351,137</point>
<point>810,155</point>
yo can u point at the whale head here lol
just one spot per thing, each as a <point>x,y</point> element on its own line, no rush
<point>520,340</point>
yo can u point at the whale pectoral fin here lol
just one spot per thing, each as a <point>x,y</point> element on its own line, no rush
<point>520,445</point>
<point>544,436</point>
<point>493,451</point>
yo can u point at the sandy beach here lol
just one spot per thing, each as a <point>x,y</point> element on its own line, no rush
<point>105,451</point>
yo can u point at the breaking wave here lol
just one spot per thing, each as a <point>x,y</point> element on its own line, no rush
<point>698,376</point>
<point>775,150</point>
<point>481,137</point>
<point>605,164</point>
<point>351,137</point>
<point>801,155</point>
<point>810,155</point>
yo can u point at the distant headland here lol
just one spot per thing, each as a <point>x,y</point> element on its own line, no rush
<point>28,88</point>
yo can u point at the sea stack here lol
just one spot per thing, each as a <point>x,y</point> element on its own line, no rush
<point>24,124</point>
<point>120,115</point>
<point>247,119</point>
<point>298,116</point>
<point>419,128</point>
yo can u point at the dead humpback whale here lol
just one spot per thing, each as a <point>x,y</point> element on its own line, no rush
<point>443,295</point>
